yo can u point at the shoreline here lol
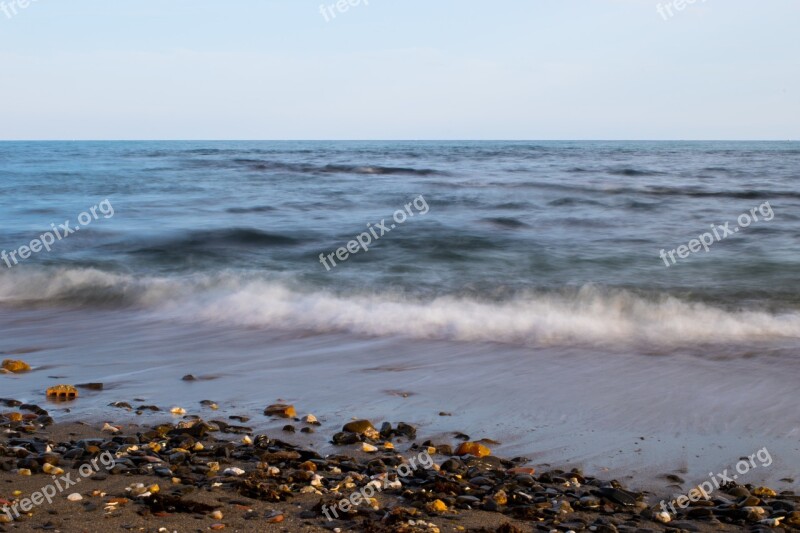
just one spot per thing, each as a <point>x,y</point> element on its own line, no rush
<point>209,464</point>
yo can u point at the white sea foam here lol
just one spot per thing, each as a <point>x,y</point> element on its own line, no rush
<point>589,315</point>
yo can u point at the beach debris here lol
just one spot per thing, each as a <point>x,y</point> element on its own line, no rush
<point>281,410</point>
<point>62,392</point>
<point>15,366</point>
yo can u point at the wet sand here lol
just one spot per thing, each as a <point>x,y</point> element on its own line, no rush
<point>633,416</point>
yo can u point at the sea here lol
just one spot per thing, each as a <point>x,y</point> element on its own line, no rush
<point>626,307</point>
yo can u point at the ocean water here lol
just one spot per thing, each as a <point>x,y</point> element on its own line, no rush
<point>528,269</point>
<point>522,242</point>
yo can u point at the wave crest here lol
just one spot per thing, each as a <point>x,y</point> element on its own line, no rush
<point>589,315</point>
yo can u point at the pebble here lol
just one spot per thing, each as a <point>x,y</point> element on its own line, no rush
<point>473,448</point>
<point>74,497</point>
<point>362,427</point>
<point>15,366</point>
<point>188,455</point>
<point>281,410</point>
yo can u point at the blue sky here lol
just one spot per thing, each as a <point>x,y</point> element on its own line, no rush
<point>400,69</point>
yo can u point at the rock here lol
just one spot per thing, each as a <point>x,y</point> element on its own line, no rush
<point>216,515</point>
<point>406,430</point>
<point>188,377</point>
<point>281,410</point>
<point>74,497</point>
<point>362,427</point>
<point>312,420</point>
<point>437,506</point>
<point>15,367</point>
<point>178,411</point>
<point>454,466</point>
<point>754,514</point>
<point>368,448</point>
<point>90,386</point>
<point>62,392</point>
<point>234,471</point>
<point>793,518</point>
<point>622,497</point>
<point>764,492</point>
<point>275,519</point>
<point>473,448</point>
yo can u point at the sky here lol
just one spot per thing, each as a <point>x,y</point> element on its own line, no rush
<point>400,69</point>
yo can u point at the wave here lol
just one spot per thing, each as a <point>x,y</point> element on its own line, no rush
<point>586,316</point>
<point>254,209</point>
<point>308,168</point>
<point>211,240</point>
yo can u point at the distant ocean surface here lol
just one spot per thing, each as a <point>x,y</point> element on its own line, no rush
<point>527,243</point>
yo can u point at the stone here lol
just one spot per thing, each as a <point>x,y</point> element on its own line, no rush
<point>437,506</point>
<point>90,386</point>
<point>74,497</point>
<point>362,427</point>
<point>764,492</point>
<point>15,367</point>
<point>473,448</point>
<point>281,410</point>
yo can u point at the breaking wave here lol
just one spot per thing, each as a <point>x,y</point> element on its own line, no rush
<point>589,315</point>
